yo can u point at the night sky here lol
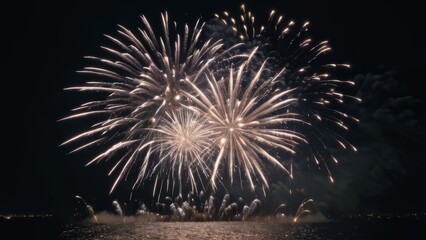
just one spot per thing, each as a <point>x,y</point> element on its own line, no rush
<point>46,42</point>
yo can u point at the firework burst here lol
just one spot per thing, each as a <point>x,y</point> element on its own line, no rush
<point>250,121</point>
<point>143,81</point>
<point>292,52</point>
<point>183,109</point>
<point>181,142</point>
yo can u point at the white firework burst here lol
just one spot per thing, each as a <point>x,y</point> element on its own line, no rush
<point>250,121</point>
<point>319,92</point>
<point>143,80</point>
<point>181,109</point>
<point>181,142</point>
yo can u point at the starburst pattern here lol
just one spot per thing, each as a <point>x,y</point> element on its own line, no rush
<point>292,51</point>
<point>143,79</point>
<point>181,142</point>
<point>250,121</point>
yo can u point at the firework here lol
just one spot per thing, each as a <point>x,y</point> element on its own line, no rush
<point>183,109</point>
<point>250,121</point>
<point>291,51</point>
<point>143,81</point>
<point>302,209</point>
<point>182,141</point>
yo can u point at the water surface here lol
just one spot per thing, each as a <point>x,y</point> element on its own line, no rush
<point>50,228</point>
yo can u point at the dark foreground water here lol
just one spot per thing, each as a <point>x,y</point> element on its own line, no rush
<point>50,228</point>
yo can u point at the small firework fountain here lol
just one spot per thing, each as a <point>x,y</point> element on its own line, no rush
<point>199,207</point>
<point>193,113</point>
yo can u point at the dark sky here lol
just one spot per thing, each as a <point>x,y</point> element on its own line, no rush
<point>45,43</point>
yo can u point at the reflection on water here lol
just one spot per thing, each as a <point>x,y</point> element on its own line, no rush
<point>243,230</point>
<point>201,230</point>
<point>137,228</point>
